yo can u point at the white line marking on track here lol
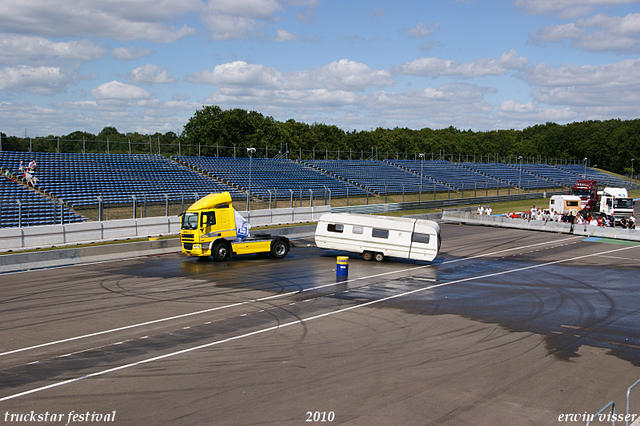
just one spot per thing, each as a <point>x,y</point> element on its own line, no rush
<point>301,321</point>
<point>263,299</point>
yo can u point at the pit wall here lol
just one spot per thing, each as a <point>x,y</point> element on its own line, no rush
<point>57,235</point>
<point>534,225</point>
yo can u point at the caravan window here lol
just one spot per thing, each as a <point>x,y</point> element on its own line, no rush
<point>335,227</point>
<point>380,233</point>
<point>420,238</point>
<point>358,230</point>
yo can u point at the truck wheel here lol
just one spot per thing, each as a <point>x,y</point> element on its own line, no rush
<point>367,255</point>
<point>279,249</point>
<point>220,251</point>
<point>379,257</point>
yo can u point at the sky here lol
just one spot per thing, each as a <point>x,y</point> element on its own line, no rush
<point>148,65</point>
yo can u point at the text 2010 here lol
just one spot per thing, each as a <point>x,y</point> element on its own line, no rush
<point>320,416</point>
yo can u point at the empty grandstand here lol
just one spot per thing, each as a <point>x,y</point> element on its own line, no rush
<point>75,182</point>
<point>377,176</point>
<point>22,206</point>
<point>261,175</point>
<point>450,174</point>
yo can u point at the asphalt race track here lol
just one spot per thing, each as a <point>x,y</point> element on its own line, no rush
<point>505,327</point>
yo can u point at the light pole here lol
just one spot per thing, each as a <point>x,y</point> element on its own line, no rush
<point>520,179</point>
<point>421,167</point>
<point>250,151</point>
<point>585,167</point>
<point>632,170</point>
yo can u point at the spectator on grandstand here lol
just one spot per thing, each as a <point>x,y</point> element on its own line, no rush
<point>9,176</point>
<point>27,176</point>
<point>32,165</point>
<point>21,169</point>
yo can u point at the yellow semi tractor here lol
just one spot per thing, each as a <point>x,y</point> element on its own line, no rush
<point>211,227</point>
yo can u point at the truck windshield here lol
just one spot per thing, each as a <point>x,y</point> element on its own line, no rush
<point>582,193</point>
<point>189,221</point>
<point>623,203</point>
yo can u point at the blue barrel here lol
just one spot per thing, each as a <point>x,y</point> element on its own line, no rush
<point>342,267</point>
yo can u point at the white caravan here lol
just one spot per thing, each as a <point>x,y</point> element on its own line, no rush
<point>375,237</point>
<point>565,204</point>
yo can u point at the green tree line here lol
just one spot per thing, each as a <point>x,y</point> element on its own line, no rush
<point>212,131</point>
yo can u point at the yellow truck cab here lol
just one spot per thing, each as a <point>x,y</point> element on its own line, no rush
<point>211,227</point>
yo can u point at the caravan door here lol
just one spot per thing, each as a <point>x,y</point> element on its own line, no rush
<point>425,241</point>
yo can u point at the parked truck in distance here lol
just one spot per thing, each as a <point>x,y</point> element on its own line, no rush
<point>615,202</point>
<point>376,237</point>
<point>587,190</point>
<point>211,227</point>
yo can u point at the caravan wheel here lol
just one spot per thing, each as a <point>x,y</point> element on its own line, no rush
<point>367,255</point>
<point>379,257</point>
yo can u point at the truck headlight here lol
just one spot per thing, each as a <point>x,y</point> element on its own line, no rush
<point>196,246</point>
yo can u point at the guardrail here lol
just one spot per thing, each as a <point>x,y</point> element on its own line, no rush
<point>438,204</point>
<point>540,225</point>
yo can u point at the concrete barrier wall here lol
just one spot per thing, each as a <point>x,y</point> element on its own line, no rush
<point>56,235</point>
<point>535,225</point>
<point>76,256</point>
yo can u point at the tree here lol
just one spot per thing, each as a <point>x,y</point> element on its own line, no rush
<point>108,131</point>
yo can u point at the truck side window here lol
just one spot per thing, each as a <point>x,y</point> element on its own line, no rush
<point>420,238</point>
<point>335,227</point>
<point>380,233</point>
<point>208,219</point>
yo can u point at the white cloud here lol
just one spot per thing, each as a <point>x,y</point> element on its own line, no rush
<point>586,86</point>
<point>117,19</point>
<point>119,91</point>
<point>284,35</point>
<point>40,80</point>
<point>598,33</point>
<point>436,67</point>
<point>437,106</point>
<point>150,74</point>
<point>420,30</point>
<point>15,49</point>
<point>131,53</point>
<point>238,19</point>
<point>340,75</point>
<point>567,8</point>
